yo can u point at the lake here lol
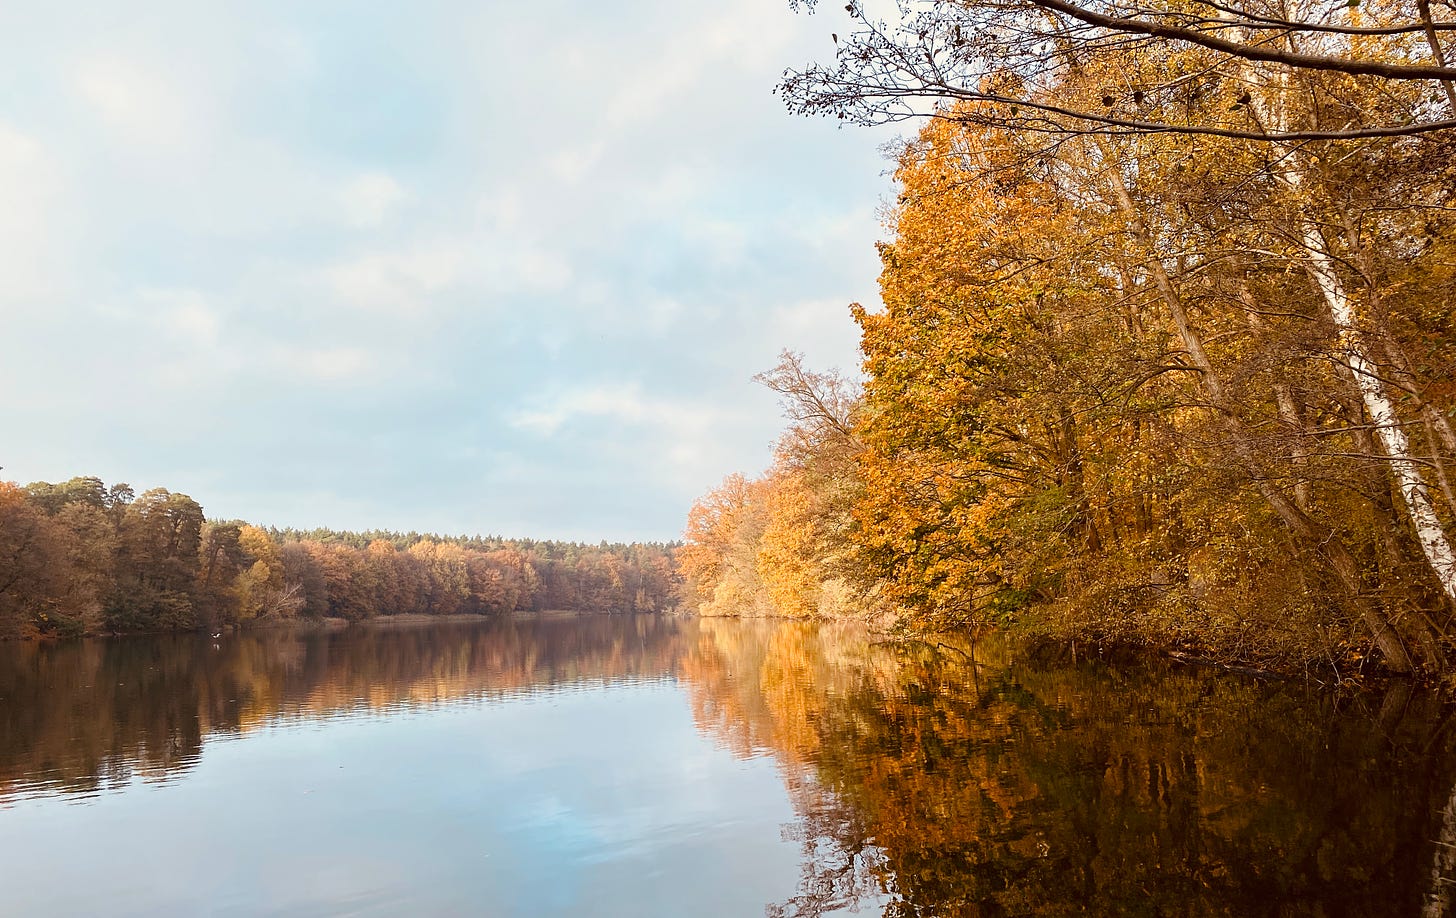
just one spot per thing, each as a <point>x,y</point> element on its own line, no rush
<point>654,766</point>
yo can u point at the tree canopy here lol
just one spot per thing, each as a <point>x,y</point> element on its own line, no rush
<point>1166,352</point>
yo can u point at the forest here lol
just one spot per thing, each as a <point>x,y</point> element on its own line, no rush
<point>80,557</point>
<point>1168,348</point>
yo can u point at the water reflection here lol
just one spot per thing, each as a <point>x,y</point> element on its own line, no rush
<point>925,779</point>
<point>86,715</point>
<point>1015,787</point>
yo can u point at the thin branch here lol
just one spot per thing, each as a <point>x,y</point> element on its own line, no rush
<point>1251,52</point>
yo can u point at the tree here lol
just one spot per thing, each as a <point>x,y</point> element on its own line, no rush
<point>301,567</point>
<point>1153,62</point>
<point>259,586</point>
<point>80,490</point>
<point>33,563</point>
<point>719,559</point>
<point>91,543</point>
<point>1198,152</point>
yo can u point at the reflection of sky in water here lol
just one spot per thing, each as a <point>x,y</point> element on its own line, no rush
<point>603,801</point>
<point>615,766</point>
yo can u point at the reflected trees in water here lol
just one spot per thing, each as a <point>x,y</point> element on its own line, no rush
<point>929,778</point>
<point>1010,786</point>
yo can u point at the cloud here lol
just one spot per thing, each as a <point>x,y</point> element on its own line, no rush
<point>141,106</point>
<point>332,364</point>
<point>302,232</point>
<point>32,216</point>
<point>624,403</point>
<point>186,315</point>
<point>821,329</point>
<point>740,36</point>
<point>573,165</point>
<point>370,198</point>
<point>402,280</point>
<point>672,443</point>
<point>441,275</point>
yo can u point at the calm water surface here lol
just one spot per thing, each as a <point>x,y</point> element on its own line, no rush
<point>622,766</point>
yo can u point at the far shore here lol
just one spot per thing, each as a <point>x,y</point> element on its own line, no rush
<point>412,619</point>
<point>406,620</point>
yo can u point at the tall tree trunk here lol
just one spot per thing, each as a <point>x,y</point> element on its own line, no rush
<point>1069,458</point>
<point>1319,263</point>
<point>1378,402</point>
<point>1438,428</point>
<point>1311,534</point>
<point>1288,407</point>
<point>1398,367</point>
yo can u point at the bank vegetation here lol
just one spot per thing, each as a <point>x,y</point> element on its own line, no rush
<point>1168,346</point>
<point>80,557</point>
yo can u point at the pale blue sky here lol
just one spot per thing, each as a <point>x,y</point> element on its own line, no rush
<point>447,266</point>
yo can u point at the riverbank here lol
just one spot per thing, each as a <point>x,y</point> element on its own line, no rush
<point>326,623</point>
<point>1343,668</point>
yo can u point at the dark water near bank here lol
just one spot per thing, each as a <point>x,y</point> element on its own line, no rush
<point>666,767</point>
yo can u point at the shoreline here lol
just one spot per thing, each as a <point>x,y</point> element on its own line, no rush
<point>327,623</point>
<point>1064,648</point>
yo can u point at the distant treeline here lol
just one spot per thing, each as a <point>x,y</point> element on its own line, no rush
<point>81,557</point>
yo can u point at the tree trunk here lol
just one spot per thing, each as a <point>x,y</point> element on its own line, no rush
<point>1320,265</point>
<point>1311,534</point>
<point>1378,402</point>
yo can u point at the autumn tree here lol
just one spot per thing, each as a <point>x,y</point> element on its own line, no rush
<point>261,586</point>
<point>79,556</point>
<point>719,558</point>
<point>32,562</point>
<point>1154,305</point>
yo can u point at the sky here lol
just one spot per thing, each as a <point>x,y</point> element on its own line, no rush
<point>452,267</point>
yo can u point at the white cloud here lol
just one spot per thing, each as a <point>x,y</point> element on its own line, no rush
<point>671,438</point>
<point>736,39</point>
<point>529,268</point>
<point>193,319</point>
<point>625,403</point>
<point>143,108</point>
<point>305,226</point>
<point>468,270</point>
<point>675,420</point>
<point>821,329</point>
<point>398,280</point>
<point>332,364</point>
<point>31,190</point>
<point>662,312</point>
<point>369,199</point>
<point>574,164</point>
<point>502,208</point>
